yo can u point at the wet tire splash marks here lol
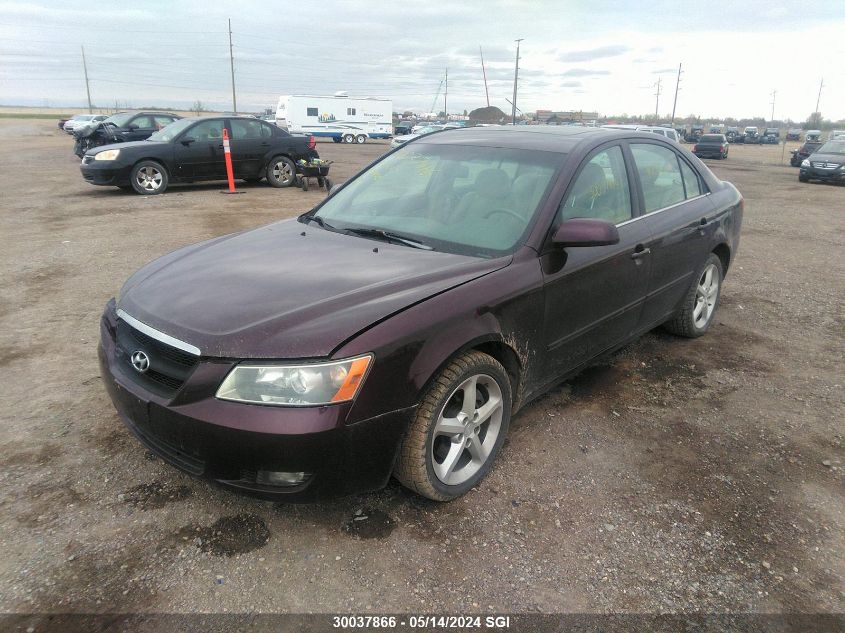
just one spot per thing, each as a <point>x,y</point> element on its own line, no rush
<point>370,524</point>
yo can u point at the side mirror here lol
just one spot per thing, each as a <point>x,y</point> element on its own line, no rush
<point>586,232</point>
<point>131,127</point>
<point>187,140</point>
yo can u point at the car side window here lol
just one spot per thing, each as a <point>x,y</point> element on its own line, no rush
<point>600,190</point>
<point>691,181</point>
<point>207,130</point>
<point>266,130</point>
<point>660,175</point>
<point>245,129</point>
<point>161,121</point>
<point>143,122</point>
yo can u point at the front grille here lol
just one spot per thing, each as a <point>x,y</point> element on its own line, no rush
<point>169,367</point>
<point>826,165</point>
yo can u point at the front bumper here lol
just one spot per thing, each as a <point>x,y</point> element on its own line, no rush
<point>104,172</point>
<point>233,443</point>
<point>827,175</point>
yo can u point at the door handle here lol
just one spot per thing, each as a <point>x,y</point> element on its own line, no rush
<point>640,253</point>
<point>220,146</point>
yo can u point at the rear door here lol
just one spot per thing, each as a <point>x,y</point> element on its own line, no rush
<point>680,215</point>
<point>199,151</point>
<point>594,295</point>
<point>250,143</point>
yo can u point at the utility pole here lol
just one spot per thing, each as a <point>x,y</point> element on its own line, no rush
<point>445,95</point>
<point>232,67</point>
<point>484,73</point>
<point>87,87</point>
<point>774,94</point>
<point>821,85</point>
<point>657,104</point>
<point>677,85</point>
<point>515,80</point>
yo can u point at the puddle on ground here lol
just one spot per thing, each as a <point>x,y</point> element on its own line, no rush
<point>229,535</point>
<point>370,524</point>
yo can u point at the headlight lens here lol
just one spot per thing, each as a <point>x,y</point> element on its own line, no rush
<point>109,154</point>
<point>805,162</point>
<point>296,385</point>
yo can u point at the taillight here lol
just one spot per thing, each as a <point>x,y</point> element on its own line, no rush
<point>312,142</point>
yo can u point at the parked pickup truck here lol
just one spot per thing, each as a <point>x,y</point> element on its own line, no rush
<point>771,136</point>
<point>711,146</point>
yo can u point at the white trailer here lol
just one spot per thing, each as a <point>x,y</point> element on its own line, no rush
<point>342,118</point>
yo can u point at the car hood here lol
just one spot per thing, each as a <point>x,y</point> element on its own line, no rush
<point>288,290</point>
<point>818,157</point>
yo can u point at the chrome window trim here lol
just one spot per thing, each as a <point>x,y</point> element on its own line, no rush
<point>671,206</point>
<point>158,335</point>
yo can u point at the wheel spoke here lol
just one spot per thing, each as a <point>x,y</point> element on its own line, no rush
<point>487,409</point>
<point>470,393</point>
<point>449,427</point>
<point>444,470</point>
<point>478,451</point>
<point>699,306</point>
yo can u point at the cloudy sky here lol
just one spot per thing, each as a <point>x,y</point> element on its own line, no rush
<point>576,55</point>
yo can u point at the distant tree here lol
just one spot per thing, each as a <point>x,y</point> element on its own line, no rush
<point>814,121</point>
<point>198,107</point>
<point>465,113</point>
<point>491,114</point>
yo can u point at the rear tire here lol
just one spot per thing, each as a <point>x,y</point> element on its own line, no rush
<point>281,172</point>
<point>361,139</point>
<point>700,302</point>
<point>458,430</point>
<point>348,138</point>
<point>149,178</point>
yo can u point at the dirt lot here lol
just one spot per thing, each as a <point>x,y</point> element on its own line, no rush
<point>701,475</point>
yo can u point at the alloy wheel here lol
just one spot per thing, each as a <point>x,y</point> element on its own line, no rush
<point>149,178</point>
<point>705,296</point>
<point>467,429</point>
<point>282,172</point>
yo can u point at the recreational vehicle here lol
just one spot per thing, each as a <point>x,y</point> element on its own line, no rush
<point>342,118</point>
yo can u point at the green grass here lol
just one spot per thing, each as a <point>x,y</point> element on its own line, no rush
<point>29,115</point>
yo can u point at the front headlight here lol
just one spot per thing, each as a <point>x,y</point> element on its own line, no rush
<point>109,154</point>
<point>295,385</point>
<point>805,162</point>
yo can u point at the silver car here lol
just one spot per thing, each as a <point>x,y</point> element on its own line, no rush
<point>81,120</point>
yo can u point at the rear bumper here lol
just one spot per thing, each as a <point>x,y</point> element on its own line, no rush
<point>233,443</point>
<point>709,153</point>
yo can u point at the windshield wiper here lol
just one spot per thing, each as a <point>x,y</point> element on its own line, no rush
<point>389,237</point>
<point>318,220</point>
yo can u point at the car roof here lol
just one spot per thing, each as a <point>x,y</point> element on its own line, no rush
<point>549,138</point>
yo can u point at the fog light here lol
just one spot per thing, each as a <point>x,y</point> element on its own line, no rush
<point>278,478</point>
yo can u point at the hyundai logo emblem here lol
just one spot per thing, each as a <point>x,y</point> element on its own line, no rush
<point>140,361</point>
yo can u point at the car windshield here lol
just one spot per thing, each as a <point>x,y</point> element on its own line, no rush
<point>470,200</point>
<point>833,147</point>
<point>172,130</point>
<point>120,119</point>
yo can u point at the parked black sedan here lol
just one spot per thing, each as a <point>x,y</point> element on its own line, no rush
<point>826,164</point>
<point>192,149</point>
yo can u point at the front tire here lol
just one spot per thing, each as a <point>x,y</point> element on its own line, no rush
<point>700,302</point>
<point>348,138</point>
<point>281,172</point>
<point>803,178</point>
<point>149,178</point>
<point>458,430</point>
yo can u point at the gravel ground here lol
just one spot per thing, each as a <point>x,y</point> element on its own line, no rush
<point>680,476</point>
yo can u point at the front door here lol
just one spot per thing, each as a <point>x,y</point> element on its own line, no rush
<point>139,128</point>
<point>594,295</point>
<point>199,152</point>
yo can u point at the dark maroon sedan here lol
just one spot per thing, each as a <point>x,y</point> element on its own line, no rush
<point>396,328</point>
